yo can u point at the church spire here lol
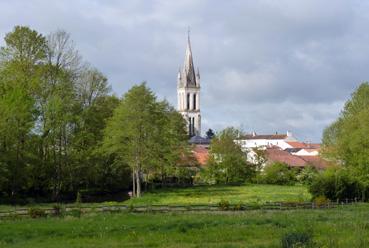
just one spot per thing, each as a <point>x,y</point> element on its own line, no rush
<point>188,92</point>
<point>188,75</point>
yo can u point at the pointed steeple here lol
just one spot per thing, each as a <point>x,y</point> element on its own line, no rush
<point>188,76</point>
<point>188,92</point>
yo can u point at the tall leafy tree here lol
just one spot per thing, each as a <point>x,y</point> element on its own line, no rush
<point>227,162</point>
<point>144,133</point>
<point>130,133</point>
<point>346,140</point>
<point>20,76</point>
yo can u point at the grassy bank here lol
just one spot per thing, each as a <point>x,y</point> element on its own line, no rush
<point>342,227</point>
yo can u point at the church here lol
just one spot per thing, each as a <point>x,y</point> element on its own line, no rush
<point>188,93</point>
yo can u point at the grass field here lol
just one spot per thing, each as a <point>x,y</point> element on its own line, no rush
<point>253,193</point>
<point>346,226</point>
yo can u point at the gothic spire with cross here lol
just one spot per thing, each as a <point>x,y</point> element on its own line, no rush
<point>187,74</point>
<point>188,92</point>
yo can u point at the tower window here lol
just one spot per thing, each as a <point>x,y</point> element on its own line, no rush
<point>188,101</point>
<point>194,101</point>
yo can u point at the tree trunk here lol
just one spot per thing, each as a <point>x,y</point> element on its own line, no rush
<point>133,183</point>
<point>138,184</point>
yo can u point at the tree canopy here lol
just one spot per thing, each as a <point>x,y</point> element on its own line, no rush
<point>346,140</point>
<point>227,162</point>
<point>144,133</point>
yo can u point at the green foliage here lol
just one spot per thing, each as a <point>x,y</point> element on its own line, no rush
<point>79,198</point>
<point>338,183</point>
<point>307,175</point>
<point>77,213</point>
<point>210,134</point>
<point>278,173</point>
<point>223,205</point>
<point>297,239</point>
<point>321,201</point>
<point>53,110</point>
<point>36,213</point>
<point>145,134</point>
<point>227,162</point>
<point>345,141</point>
<point>58,210</point>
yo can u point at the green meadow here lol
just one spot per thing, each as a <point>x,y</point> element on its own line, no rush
<point>252,193</point>
<point>346,226</point>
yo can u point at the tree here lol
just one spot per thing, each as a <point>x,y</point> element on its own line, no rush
<point>53,110</point>
<point>227,162</point>
<point>144,133</point>
<point>172,137</point>
<point>130,132</point>
<point>20,77</point>
<point>278,173</point>
<point>346,140</point>
<point>210,134</point>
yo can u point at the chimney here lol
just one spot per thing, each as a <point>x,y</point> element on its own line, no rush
<point>289,134</point>
<point>253,134</point>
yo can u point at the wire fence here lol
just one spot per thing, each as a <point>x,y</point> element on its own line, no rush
<point>222,206</point>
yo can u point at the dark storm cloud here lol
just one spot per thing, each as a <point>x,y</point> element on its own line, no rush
<point>265,65</point>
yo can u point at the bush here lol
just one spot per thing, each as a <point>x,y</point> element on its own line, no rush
<point>336,183</point>
<point>307,175</point>
<point>78,198</point>
<point>36,213</point>
<point>57,210</point>
<point>278,173</point>
<point>223,205</point>
<point>238,207</point>
<point>75,213</point>
<point>321,201</point>
<point>297,239</point>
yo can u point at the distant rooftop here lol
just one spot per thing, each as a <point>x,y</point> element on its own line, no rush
<point>198,140</point>
<point>275,136</point>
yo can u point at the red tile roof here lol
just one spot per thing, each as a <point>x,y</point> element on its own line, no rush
<point>277,155</point>
<point>316,161</point>
<point>201,153</point>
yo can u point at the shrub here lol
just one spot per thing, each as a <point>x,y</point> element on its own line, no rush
<point>223,205</point>
<point>336,183</point>
<point>36,212</point>
<point>75,213</point>
<point>131,208</point>
<point>307,175</point>
<point>238,206</point>
<point>297,239</point>
<point>321,201</point>
<point>57,210</point>
<point>78,198</point>
<point>278,173</point>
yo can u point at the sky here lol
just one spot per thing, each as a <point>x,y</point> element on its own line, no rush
<point>266,66</point>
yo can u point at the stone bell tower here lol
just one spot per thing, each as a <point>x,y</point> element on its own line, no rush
<point>188,93</point>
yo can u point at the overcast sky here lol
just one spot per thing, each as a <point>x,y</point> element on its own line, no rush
<point>265,66</point>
